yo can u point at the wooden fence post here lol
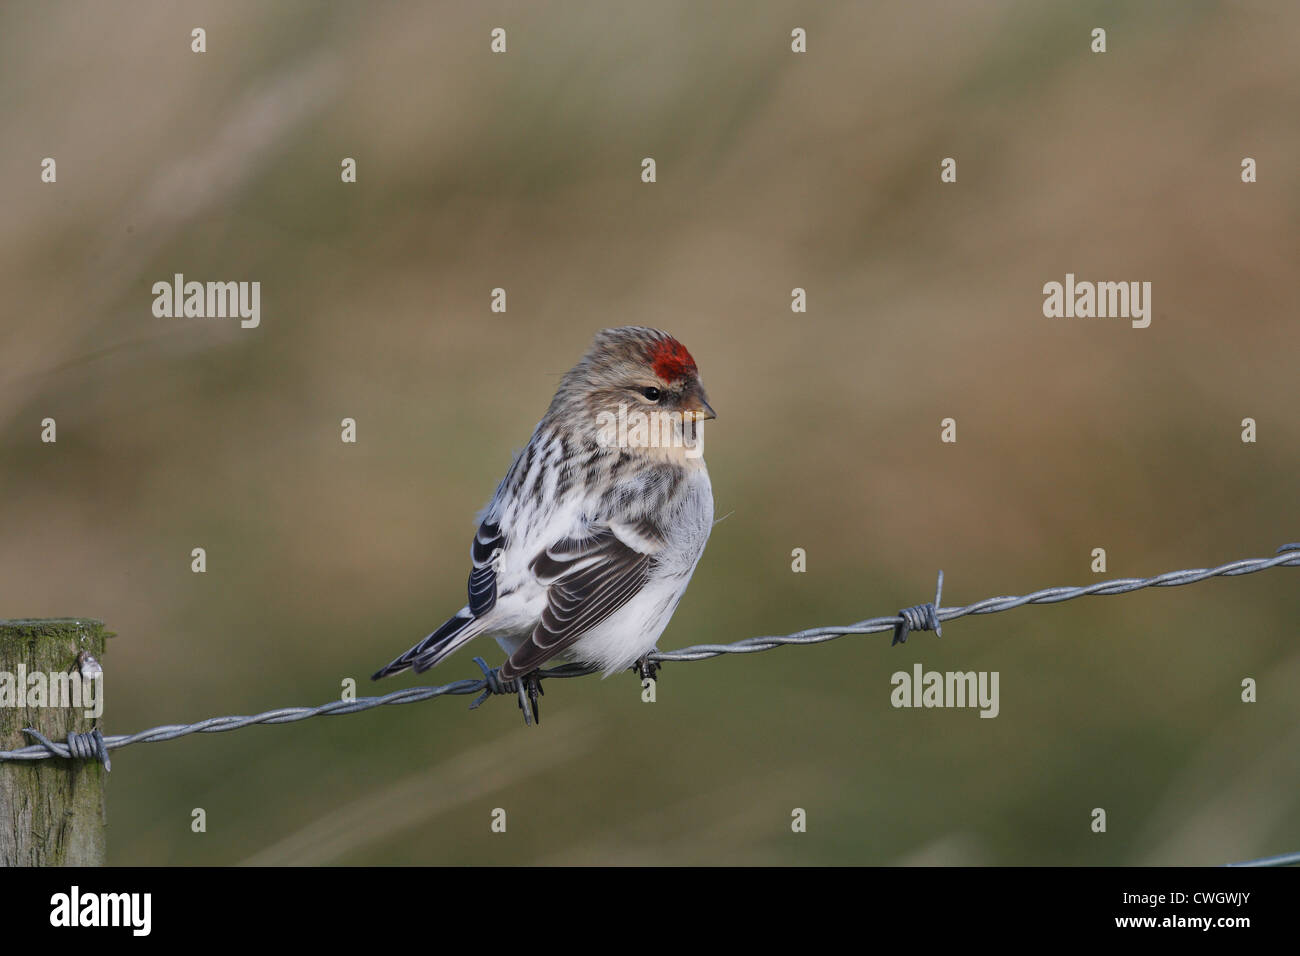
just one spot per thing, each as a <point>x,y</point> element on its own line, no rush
<point>51,811</point>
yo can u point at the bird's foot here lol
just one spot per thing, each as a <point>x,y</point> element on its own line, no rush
<point>647,669</point>
<point>526,688</point>
<point>530,688</point>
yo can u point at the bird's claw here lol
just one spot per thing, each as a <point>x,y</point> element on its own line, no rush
<point>529,690</point>
<point>646,668</point>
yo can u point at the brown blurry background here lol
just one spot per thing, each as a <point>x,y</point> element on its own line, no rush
<point>775,170</point>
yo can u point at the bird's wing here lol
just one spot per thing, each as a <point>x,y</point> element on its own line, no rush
<point>588,578</point>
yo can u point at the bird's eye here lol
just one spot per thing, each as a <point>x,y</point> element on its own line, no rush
<point>651,393</point>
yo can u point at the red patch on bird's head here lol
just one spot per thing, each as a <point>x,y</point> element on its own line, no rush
<point>671,361</point>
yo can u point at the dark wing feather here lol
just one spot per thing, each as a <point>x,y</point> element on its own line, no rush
<point>428,652</point>
<point>590,578</point>
<point>488,543</point>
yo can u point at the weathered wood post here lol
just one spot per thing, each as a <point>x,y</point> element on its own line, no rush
<point>51,811</point>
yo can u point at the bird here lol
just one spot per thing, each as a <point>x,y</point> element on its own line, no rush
<point>587,547</point>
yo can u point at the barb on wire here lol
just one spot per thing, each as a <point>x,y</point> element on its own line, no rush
<point>923,617</point>
<point>89,746</point>
<point>910,618</point>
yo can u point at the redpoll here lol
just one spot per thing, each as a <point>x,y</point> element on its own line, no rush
<point>592,536</point>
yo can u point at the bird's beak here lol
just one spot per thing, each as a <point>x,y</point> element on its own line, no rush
<point>701,408</point>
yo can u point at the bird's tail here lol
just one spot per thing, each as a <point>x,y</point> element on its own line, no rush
<point>438,645</point>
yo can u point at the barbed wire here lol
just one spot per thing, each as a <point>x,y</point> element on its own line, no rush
<point>921,617</point>
<point>1282,859</point>
<point>924,617</point>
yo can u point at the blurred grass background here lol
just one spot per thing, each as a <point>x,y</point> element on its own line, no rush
<point>774,171</point>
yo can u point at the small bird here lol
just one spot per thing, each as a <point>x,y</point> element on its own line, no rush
<point>591,538</point>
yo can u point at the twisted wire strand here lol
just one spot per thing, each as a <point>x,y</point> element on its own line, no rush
<point>1282,859</point>
<point>1288,556</point>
